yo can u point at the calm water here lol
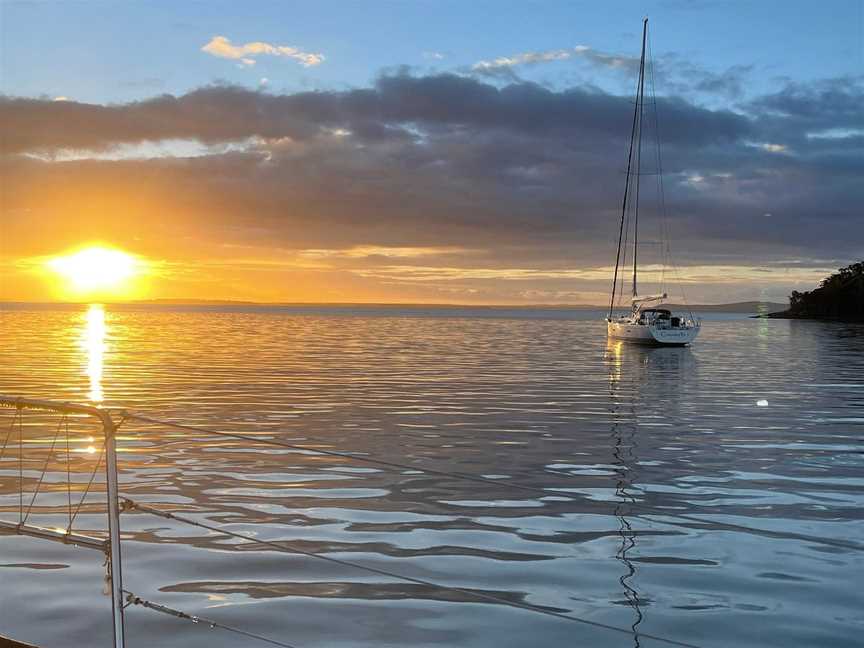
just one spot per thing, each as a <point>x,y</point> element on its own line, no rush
<point>770,551</point>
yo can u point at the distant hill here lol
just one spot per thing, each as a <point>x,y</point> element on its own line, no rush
<point>749,307</point>
<point>736,307</point>
<point>191,302</point>
<point>838,297</point>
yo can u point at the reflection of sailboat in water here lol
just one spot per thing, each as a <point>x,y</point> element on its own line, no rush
<point>643,381</point>
<point>624,459</point>
<point>625,530</point>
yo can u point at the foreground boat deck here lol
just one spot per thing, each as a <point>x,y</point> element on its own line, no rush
<point>5,642</point>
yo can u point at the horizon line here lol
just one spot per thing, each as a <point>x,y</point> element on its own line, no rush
<point>239,302</point>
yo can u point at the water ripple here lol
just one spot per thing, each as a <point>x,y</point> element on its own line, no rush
<point>677,501</point>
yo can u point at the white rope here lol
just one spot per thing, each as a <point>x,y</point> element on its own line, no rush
<point>645,510</point>
<point>132,599</point>
<point>345,455</point>
<point>44,470</point>
<point>128,504</point>
<point>74,515</point>
<point>662,192</point>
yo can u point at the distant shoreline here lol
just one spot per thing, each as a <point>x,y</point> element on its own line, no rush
<point>839,298</point>
<point>734,307</point>
<point>793,316</point>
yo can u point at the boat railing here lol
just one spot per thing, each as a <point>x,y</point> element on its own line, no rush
<point>657,323</point>
<point>19,456</point>
<point>70,416</point>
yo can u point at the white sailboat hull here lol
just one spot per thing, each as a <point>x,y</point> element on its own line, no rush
<point>628,330</point>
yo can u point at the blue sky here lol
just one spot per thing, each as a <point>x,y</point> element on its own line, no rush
<point>119,51</point>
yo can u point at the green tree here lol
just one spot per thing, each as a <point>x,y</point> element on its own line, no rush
<point>839,296</point>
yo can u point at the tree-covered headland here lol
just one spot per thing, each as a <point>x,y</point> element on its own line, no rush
<point>838,297</point>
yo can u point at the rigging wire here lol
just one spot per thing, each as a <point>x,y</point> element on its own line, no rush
<point>662,192</point>
<point>86,490</point>
<point>546,491</point>
<point>665,254</point>
<point>346,455</point>
<point>132,599</point>
<point>16,418</point>
<point>626,190</point>
<point>664,229</point>
<point>23,515</point>
<point>9,432</point>
<point>625,247</point>
<point>44,470</point>
<point>286,547</point>
<point>640,101</point>
<point>20,468</point>
<point>68,475</point>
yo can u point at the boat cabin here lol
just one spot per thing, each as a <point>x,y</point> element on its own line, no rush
<point>659,316</point>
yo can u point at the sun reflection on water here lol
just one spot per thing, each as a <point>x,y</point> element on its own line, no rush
<point>93,344</point>
<point>614,359</point>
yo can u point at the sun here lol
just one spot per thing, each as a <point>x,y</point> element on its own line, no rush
<point>97,272</point>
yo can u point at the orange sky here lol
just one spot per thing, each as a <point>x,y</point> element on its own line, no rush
<point>192,248</point>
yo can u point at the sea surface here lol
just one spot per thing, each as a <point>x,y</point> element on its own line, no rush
<point>711,495</point>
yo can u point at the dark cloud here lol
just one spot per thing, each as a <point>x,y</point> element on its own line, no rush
<point>827,102</point>
<point>522,172</point>
<point>225,113</point>
<point>825,115</point>
<point>729,83</point>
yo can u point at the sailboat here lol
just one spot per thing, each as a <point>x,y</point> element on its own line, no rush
<point>647,322</point>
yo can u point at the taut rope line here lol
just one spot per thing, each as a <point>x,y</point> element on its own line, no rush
<point>645,510</point>
<point>286,547</point>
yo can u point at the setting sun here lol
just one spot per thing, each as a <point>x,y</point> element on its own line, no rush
<point>97,271</point>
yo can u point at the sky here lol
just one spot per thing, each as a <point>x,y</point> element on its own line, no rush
<point>444,152</point>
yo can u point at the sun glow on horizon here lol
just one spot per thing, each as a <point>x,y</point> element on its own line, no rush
<point>97,271</point>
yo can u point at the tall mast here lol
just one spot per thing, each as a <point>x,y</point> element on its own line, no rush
<point>636,117</point>
<point>640,100</point>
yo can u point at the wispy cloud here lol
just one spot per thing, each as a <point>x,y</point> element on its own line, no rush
<point>389,252</point>
<point>438,56</point>
<point>223,48</point>
<point>505,64</point>
<point>678,74</point>
<point>774,148</point>
<point>411,273</point>
<point>651,273</point>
